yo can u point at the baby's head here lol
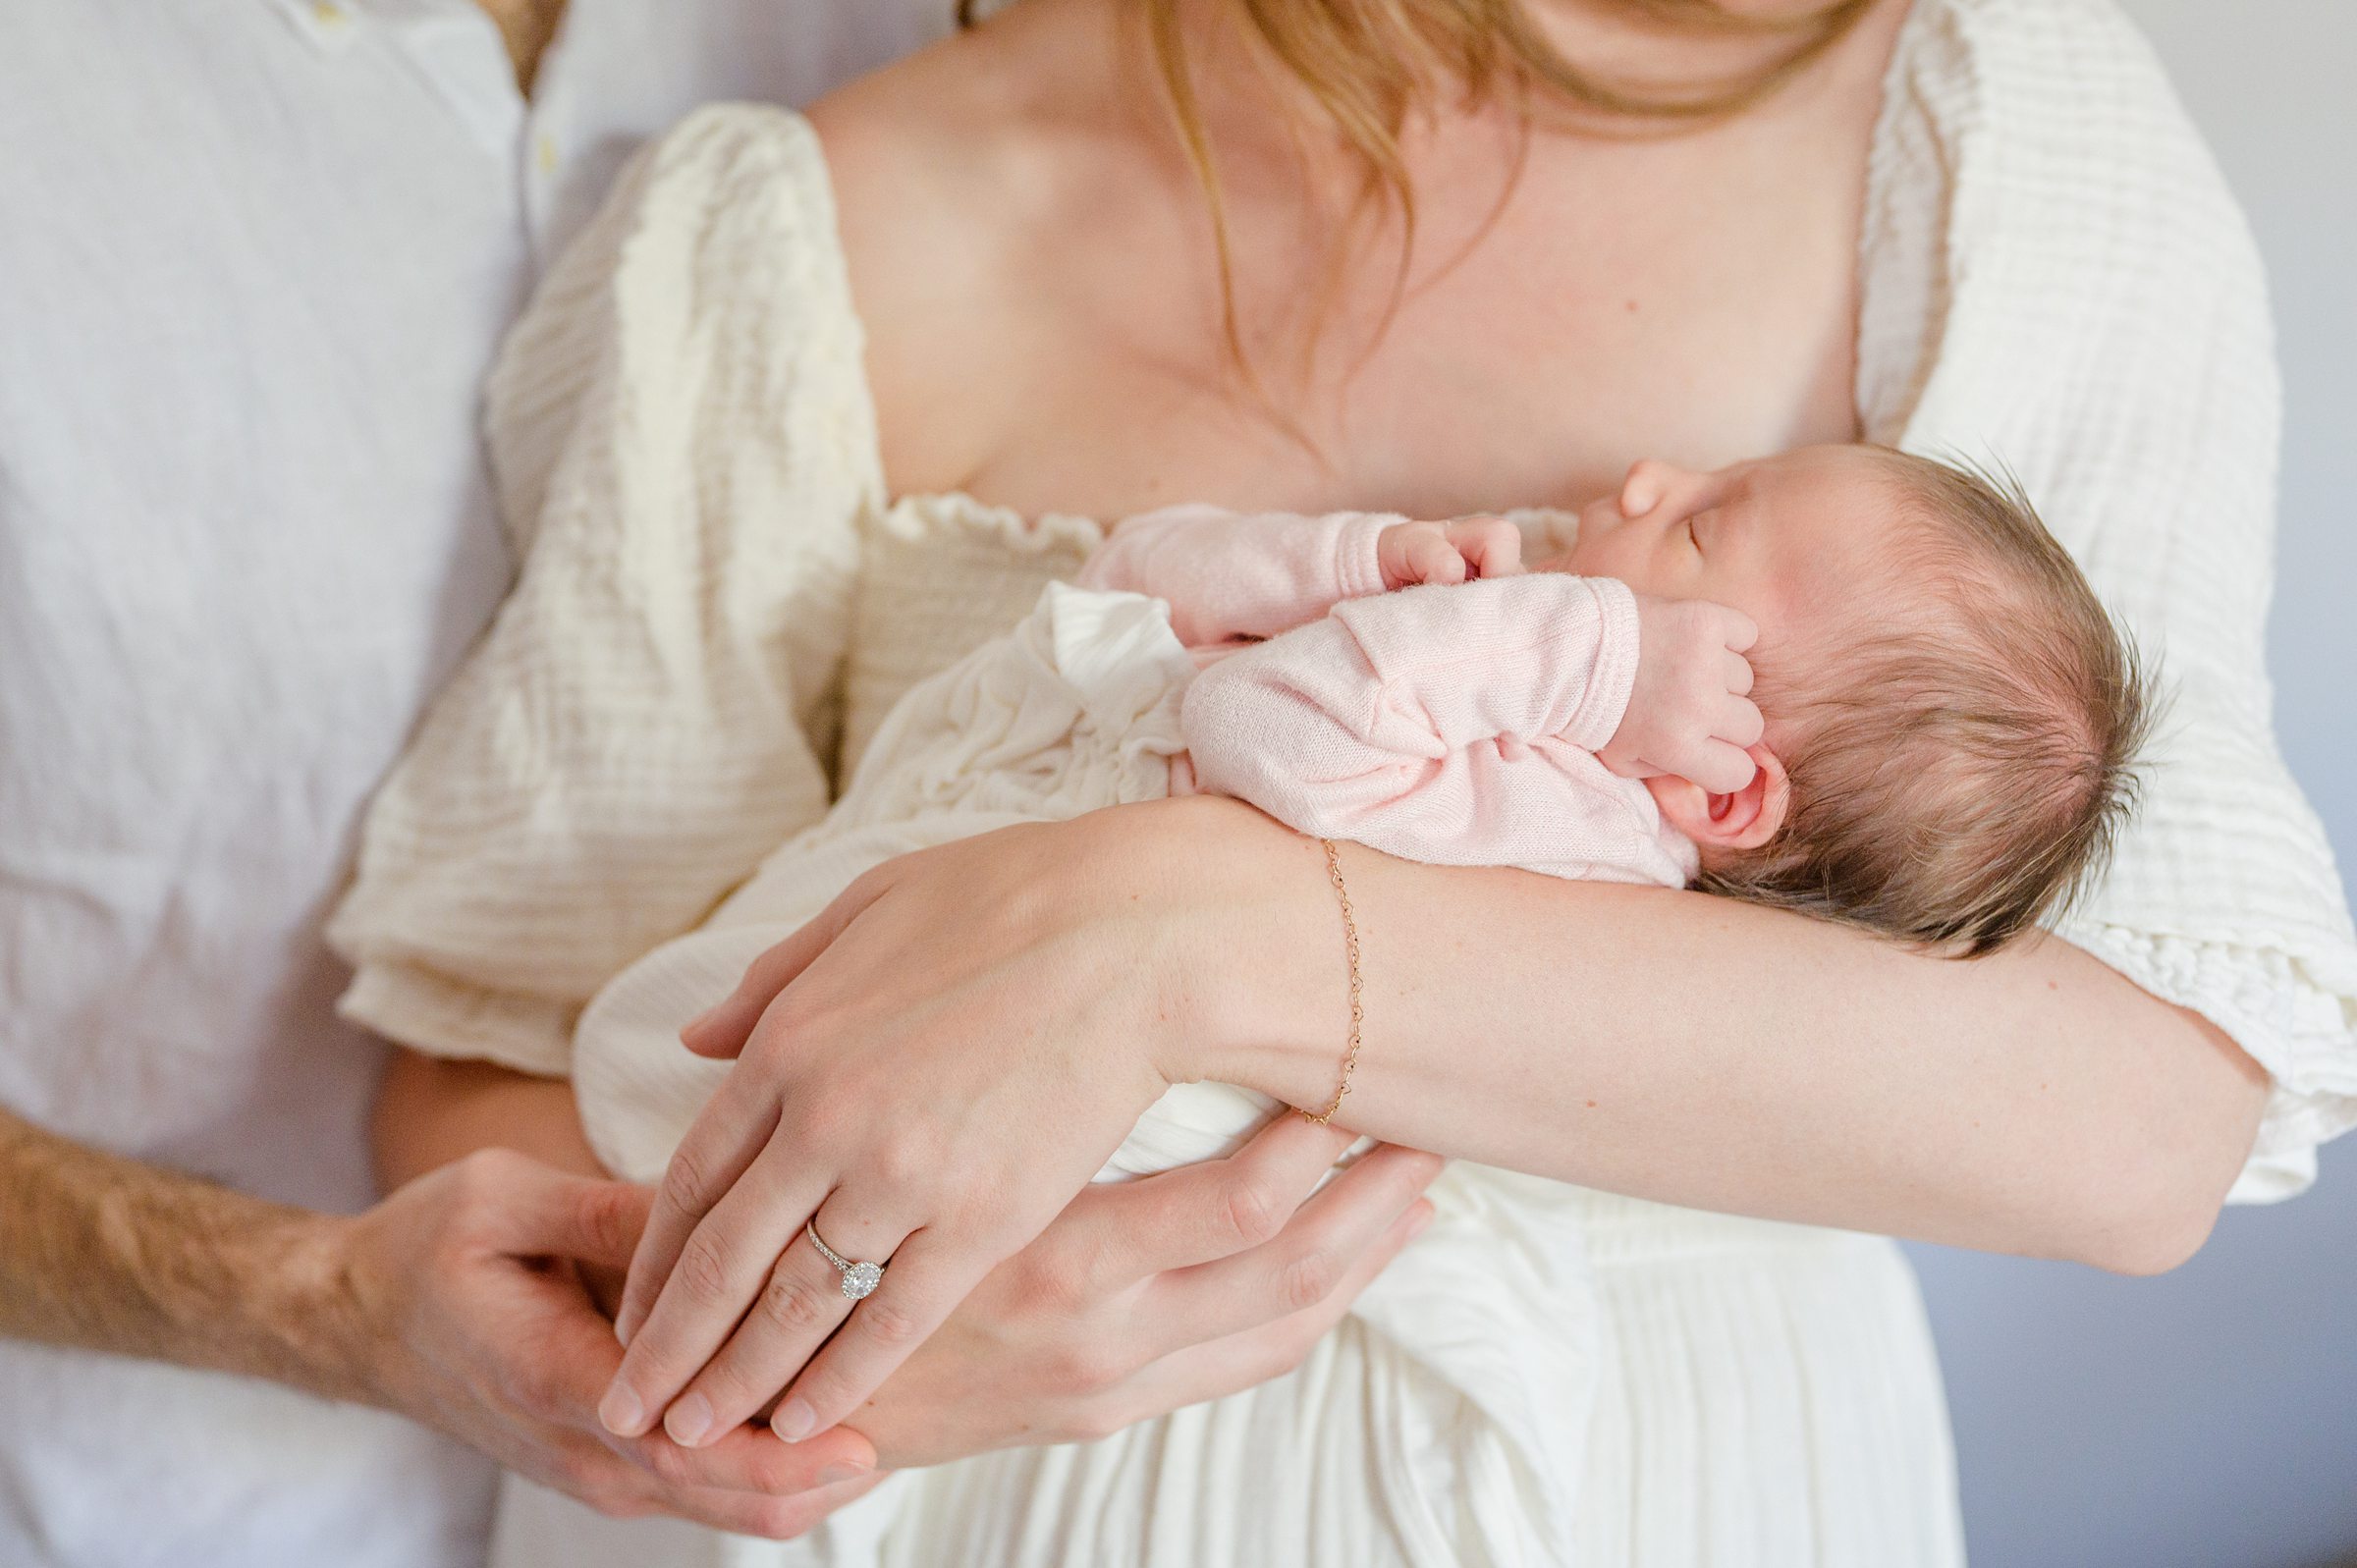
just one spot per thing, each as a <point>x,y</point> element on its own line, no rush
<point>1951,715</point>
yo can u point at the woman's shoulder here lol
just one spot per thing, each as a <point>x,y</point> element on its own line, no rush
<point>955,174</point>
<point>726,175</point>
<point>710,282</point>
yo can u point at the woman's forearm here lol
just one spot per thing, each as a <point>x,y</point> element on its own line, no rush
<point>1696,1050</point>
<point>433,1111</point>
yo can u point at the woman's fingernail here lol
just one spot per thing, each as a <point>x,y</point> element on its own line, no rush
<point>703,1019</point>
<point>840,1469</point>
<point>689,1420</point>
<point>621,1411</point>
<point>1421,1222</point>
<point>794,1419</point>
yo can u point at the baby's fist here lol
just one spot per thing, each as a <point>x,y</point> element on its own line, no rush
<point>1690,711</point>
<point>1410,553</point>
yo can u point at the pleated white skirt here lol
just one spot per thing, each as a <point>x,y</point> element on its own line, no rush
<point>1769,1399</point>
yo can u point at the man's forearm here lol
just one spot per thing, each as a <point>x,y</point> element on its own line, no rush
<point>108,1254</point>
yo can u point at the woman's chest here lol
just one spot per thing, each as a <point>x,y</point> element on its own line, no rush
<point>1695,299</point>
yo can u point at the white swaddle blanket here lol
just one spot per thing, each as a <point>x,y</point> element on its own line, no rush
<point>1483,1333</point>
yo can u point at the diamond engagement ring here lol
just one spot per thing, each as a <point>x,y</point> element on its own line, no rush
<point>858,1279</point>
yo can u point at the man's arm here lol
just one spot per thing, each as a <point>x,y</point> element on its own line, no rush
<point>439,1304</point>
<point>108,1254</point>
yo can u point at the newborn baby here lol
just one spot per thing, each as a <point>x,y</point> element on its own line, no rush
<point>1939,747</point>
<point>1949,713</point>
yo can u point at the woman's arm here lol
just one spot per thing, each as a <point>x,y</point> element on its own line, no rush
<point>900,1055</point>
<point>1697,1051</point>
<point>1670,1046</point>
<point>432,1111</point>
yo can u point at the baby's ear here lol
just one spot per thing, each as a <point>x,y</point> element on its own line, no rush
<point>1745,820</point>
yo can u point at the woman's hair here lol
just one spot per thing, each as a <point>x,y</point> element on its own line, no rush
<point>1365,64</point>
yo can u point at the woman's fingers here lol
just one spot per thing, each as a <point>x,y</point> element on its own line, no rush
<point>1202,1212</point>
<point>1322,1246</point>
<point>802,1303</point>
<point>926,1280</point>
<point>721,1144</point>
<point>1273,1348</point>
<point>720,1267</point>
<point>736,1122</point>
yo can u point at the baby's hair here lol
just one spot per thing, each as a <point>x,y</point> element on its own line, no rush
<point>1971,766</point>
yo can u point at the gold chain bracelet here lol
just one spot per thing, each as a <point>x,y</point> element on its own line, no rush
<point>1333,873</point>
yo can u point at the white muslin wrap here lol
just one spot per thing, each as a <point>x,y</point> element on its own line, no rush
<point>1479,1342</point>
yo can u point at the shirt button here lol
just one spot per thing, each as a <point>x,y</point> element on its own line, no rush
<point>544,148</point>
<point>328,14</point>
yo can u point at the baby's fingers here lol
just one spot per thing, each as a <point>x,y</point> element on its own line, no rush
<point>1431,558</point>
<point>1492,547</point>
<point>1738,674</point>
<point>1738,630</point>
<point>1720,768</point>
<point>1739,722</point>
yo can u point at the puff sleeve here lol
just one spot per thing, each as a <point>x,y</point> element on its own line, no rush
<point>683,447</point>
<point>2059,281</point>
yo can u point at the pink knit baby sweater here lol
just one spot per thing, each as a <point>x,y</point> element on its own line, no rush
<point>1457,725</point>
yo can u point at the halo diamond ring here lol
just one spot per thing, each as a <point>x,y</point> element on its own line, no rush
<point>858,1279</point>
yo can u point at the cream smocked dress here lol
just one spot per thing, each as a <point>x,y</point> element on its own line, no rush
<point>716,595</point>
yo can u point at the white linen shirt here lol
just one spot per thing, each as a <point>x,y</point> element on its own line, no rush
<point>255,257</point>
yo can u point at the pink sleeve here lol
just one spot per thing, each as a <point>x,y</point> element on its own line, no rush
<point>1230,575</point>
<point>1450,725</point>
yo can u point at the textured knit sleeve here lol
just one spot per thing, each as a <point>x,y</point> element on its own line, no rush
<point>2098,322</point>
<point>1450,725</point>
<point>683,448</point>
<point>1230,575</point>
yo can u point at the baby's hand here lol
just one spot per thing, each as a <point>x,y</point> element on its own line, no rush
<point>1690,713</point>
<point>1410,553</point>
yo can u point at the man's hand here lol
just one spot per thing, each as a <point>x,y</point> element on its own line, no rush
<point>1690,713</point>
<point>1411,552</point>
<point>461,1303</point>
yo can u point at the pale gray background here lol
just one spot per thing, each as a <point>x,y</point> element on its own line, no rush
<point>2209,1419</point>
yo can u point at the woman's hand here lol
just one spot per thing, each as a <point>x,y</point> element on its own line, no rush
<point>1150,1295</point>
<point>930,1072</point>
